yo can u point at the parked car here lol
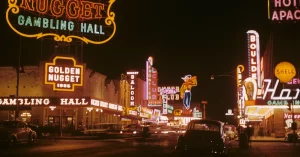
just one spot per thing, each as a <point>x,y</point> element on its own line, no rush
<point>230,131</point>
<point>204,137</point>
<point>135,130</point>
<point>104,130</point>
<point>15,132</point>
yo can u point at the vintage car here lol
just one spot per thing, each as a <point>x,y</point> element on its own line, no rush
<point>205,137</point>
<point>104,130</point>
<point>15,132</point>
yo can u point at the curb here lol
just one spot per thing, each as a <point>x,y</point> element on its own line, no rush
<point>82,138</point>
<point>267,141</point>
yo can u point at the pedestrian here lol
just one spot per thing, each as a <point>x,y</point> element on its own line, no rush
<point>249,132</point>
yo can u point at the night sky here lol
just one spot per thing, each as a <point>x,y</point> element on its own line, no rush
<point>197,37</point>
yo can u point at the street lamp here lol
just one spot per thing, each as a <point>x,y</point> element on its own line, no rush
<point>238,79</point>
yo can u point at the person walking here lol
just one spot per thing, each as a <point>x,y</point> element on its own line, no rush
<point>249,132</point>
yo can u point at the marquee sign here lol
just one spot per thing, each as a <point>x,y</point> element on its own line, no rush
<point>283,10</point>
<point>44,101</point>
<point>64,20</point>
<point>64,74</point>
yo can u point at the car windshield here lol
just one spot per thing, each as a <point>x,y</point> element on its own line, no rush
<point>8,124</point>
<point>205,127</point>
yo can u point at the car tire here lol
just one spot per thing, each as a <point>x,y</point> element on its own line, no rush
<point>32,139</point>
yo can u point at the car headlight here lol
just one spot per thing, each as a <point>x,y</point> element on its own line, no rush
<point>134,132</point>
<point>121,132</point>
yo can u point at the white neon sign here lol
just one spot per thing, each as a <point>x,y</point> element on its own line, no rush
<point>229,112</point>
<point>132,87</point>
<point>254,56</point>
<point>285,94</point>
<point>165,104</point>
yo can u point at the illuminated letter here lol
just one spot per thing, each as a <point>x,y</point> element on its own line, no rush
<point>57,8</point>
<point>71,26</point>
<point>21,20</point>
<point>27,4</point>
<point>28,21</point>
<point>69,6</point>
<point>86,10</point>
<point>99,7</point>
<point>42,6</point>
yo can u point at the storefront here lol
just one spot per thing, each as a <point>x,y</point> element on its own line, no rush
<point>69,113</point>
<point>271,114</point>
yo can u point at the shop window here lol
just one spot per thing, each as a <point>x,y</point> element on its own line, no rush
<point>50,121</point>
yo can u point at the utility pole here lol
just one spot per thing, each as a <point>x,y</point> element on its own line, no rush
<point>18,82</point>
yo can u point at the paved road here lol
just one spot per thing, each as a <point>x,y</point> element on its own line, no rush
<point>154,147</point>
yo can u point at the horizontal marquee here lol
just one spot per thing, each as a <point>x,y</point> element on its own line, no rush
<point>56,101</point>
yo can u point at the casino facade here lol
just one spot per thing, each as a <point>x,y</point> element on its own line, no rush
<point>65,92</point>
<point>266,102</point>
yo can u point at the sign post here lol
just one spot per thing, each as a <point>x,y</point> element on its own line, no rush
<point>204,108</point>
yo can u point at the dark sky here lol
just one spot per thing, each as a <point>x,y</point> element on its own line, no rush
<point>197,37</point>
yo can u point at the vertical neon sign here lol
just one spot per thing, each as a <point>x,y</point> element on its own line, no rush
<point>149,64</point>
<point>132,87</point>
<point>254,56</point>
<point>151,84</point>
<point>239,70</point>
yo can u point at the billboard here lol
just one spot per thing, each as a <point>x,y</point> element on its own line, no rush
<point>90,21</point>
<point>132,83</point>
<point>185,89</point>
<point>283,10</point>
<point>63,73</point>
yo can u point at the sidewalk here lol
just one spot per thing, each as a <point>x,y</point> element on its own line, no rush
<point>266,139</point>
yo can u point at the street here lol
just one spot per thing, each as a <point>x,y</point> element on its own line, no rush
<point>155,146</point>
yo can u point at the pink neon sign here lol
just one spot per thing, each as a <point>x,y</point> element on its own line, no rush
<point>284,10</point>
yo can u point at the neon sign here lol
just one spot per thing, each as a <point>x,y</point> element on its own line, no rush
<point>151,84</point>
<point>185,89</point>
<point>132,87</point>
<point>290,116</point>
<point>254,56</point>
<point>24,101</point>
<point>172,92</point>
<point>294,81</point>
<point>283,10</point>
<point>250,89</point>
<point>63,74</point>
<point>38,101</point>
<point>285,94</point>
<point>56,18</point>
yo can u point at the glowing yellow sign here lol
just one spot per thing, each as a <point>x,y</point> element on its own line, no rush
<point>64,74</point>
<point>177,112</point>
<point>285,72</point>
<point>53,18</point>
